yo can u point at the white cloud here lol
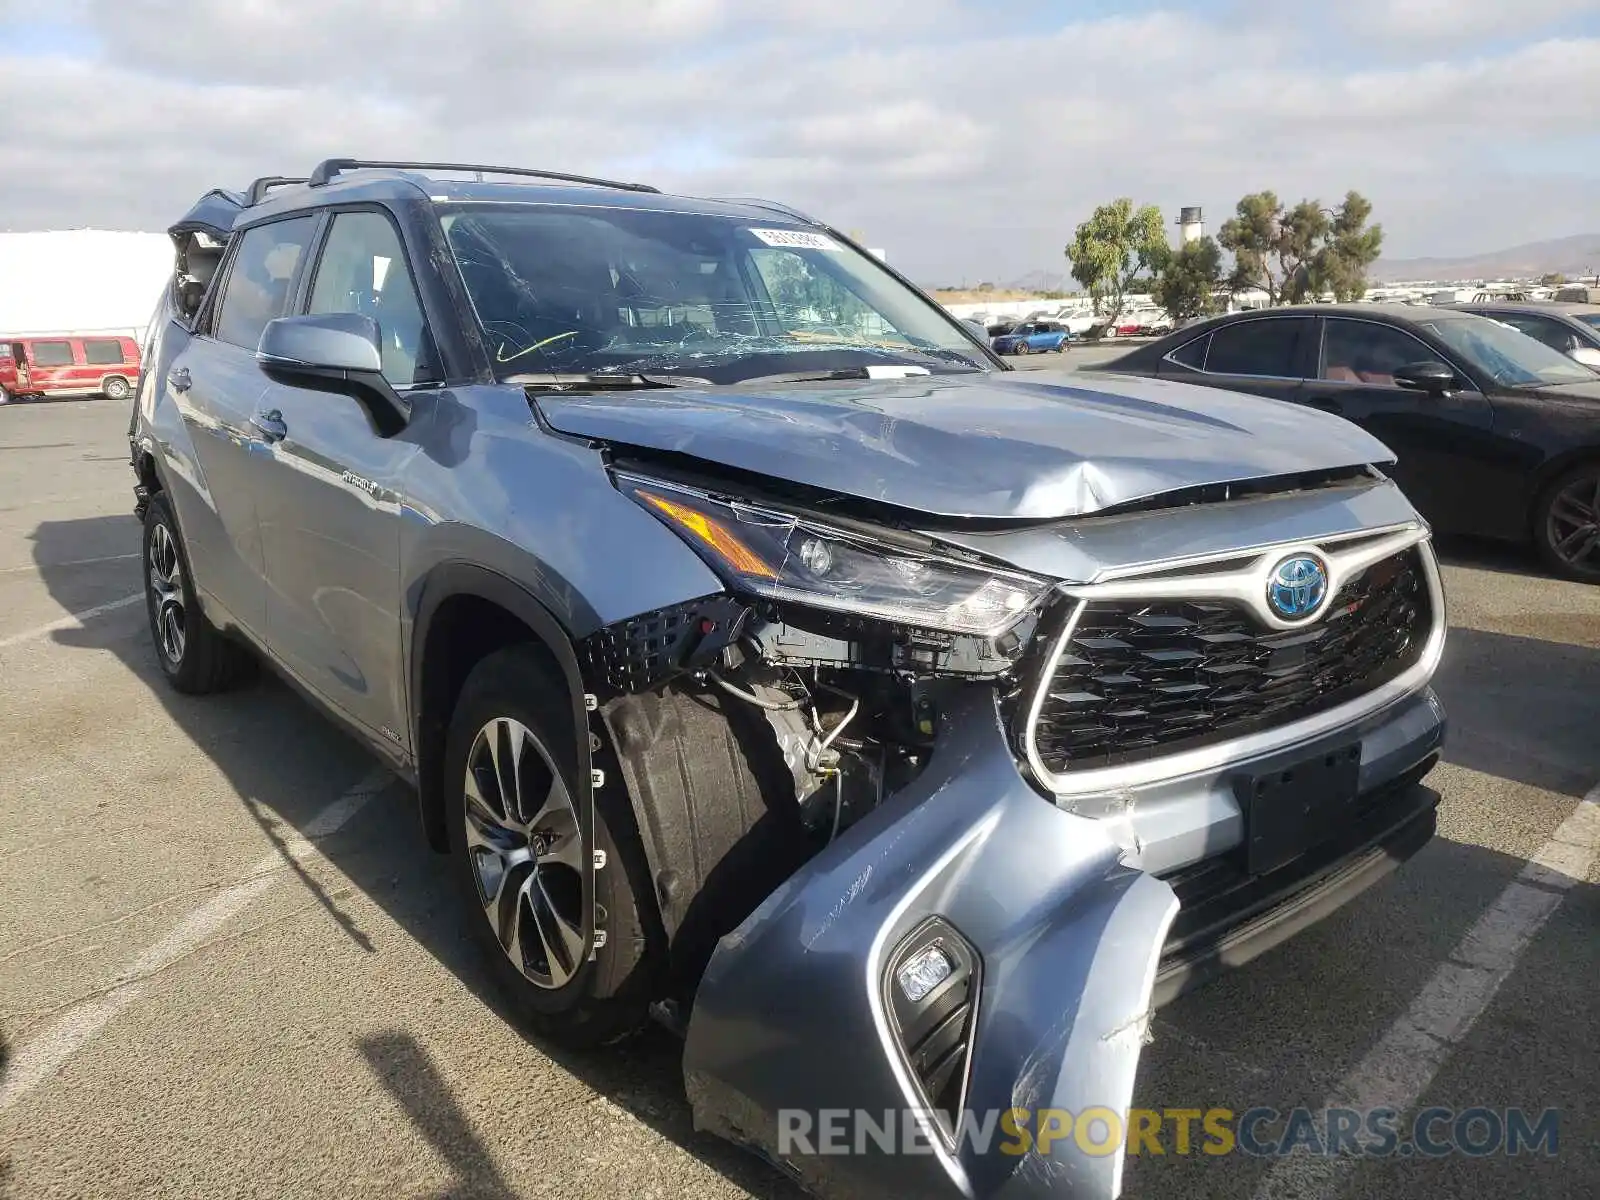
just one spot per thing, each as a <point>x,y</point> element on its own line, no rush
<point>962,143</point>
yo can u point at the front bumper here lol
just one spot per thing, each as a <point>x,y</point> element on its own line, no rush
<point>793,1047</point>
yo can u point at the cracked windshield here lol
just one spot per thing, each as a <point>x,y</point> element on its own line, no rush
<point>703,299</point>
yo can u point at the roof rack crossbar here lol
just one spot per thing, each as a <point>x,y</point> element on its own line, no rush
<point>327,171</point>
<point>258,189</point>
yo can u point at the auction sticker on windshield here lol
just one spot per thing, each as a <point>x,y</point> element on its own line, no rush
<point>798,239</point>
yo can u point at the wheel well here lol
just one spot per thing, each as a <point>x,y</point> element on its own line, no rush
<point>464,630</point>
<point>1550,472</point>
<point>146,469</point>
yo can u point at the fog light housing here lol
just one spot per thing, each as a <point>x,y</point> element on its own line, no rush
<point>931,985</point>
<point>924,971</point>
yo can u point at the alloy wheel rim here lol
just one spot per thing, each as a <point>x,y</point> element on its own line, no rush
<point>525,850</point>
<point>1573,524</point>
<point>166,593</point>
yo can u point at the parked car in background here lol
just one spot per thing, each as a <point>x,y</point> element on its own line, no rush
<point>1570,329</point>
<point>897,727</point>
<point>1495,433</point>
<point>1033,337</point>
<point>68,366</point>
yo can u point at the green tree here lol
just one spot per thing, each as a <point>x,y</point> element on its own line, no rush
<point>1554,279</point>
<point>1113,246</point>
<point>1349,249</point>
<point>1187,285</point>
<point>1273,249</point>
<point>1250,236</point>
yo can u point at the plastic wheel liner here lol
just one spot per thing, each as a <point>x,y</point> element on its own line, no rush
<point>795,1044</point>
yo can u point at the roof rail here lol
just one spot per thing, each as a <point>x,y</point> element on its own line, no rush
<point>327,171</point>
<point>258,189</point>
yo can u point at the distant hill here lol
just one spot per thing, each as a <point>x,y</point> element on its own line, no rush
<point>1569,256</point>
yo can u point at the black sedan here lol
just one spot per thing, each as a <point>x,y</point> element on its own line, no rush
<point>1495,433</point>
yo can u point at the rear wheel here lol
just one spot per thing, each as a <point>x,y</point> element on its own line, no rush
<point>195,657</point>
<point>1567,524</point>
<point>5,396</point>
<point>116,388</point>
<point>512,773</point>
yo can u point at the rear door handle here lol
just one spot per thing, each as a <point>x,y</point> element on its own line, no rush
<point>270,425</point>
<point>178,377</point>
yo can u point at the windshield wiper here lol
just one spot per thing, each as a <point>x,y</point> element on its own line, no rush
<point>618,383</point>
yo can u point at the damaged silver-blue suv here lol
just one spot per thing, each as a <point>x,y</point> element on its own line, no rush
<point>772,660</point>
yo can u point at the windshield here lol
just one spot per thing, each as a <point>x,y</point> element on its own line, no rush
<point>588,290</point>
<point>1510,358</point>
<point>1589,318</point>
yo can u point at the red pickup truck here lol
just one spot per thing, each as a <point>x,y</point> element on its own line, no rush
<point>68,366</point>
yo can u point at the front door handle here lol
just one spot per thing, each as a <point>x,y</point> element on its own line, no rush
<point>178,377</point>
<point>270,425</point>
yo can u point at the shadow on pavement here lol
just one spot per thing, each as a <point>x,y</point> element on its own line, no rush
<point>1522,708</point>
<point>287,763</point>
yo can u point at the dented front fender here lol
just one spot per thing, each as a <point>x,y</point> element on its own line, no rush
<point>796,1045</point>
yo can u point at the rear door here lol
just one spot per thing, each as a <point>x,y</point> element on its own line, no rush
<point>215,384</point>
<point>330,504</point>
<point>1444,445</point>
<point>1267,356</point>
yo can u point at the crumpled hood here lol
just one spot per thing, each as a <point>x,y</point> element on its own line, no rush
<point>979,446</point>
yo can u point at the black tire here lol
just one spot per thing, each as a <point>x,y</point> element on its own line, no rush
<point>200,659</point>
<point>116,388</point>
<point>602,1000</point>
<point>1020,348</point>
<point>5,396</point>
<point>1566,524</point>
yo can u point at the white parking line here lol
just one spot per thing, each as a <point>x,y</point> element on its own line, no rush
<point>75,562</point>
<point>38,1059</point>
<point>70,621</point>
<point>1400,1067</point>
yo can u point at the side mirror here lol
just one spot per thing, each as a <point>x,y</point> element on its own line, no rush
<point>1432,377</point>
<point>334,352</point>
<point>1589,356</point>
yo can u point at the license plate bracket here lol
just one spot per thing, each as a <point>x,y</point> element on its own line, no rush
<point>1298,804</point>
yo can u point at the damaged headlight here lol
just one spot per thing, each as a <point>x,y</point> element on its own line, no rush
<point>781,556</point>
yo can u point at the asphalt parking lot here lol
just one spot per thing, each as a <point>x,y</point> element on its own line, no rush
<point>229,966</point>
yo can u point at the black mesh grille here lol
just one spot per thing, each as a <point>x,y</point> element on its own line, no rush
<point>1140,679</point>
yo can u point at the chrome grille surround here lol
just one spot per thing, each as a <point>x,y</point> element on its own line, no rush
<point>1239,578</point>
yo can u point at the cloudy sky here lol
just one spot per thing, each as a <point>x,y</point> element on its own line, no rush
<point>967,138</point>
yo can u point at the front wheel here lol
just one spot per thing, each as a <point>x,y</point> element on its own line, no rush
<point>1020,348</point>
<point>1567,524</point>
<point>521,858</point>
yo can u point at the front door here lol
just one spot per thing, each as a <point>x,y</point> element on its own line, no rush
<point>331,509</point>
<point>1444,445</point>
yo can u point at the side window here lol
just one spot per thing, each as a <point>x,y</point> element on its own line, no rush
<point>102,352</point>
<point>1365,352</point>
<point>1268,346</point>
<point>260,280</point>
<point>52,354</point>
<point>1551,333</point>
<point>1192,354</point>
<point>363,270</point>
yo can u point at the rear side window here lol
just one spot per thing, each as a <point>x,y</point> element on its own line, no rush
<point>102,352</point>
<point>261,279</point>
<point>52,354</point>
<point>1192,354</point>
<point>1268,347</point>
